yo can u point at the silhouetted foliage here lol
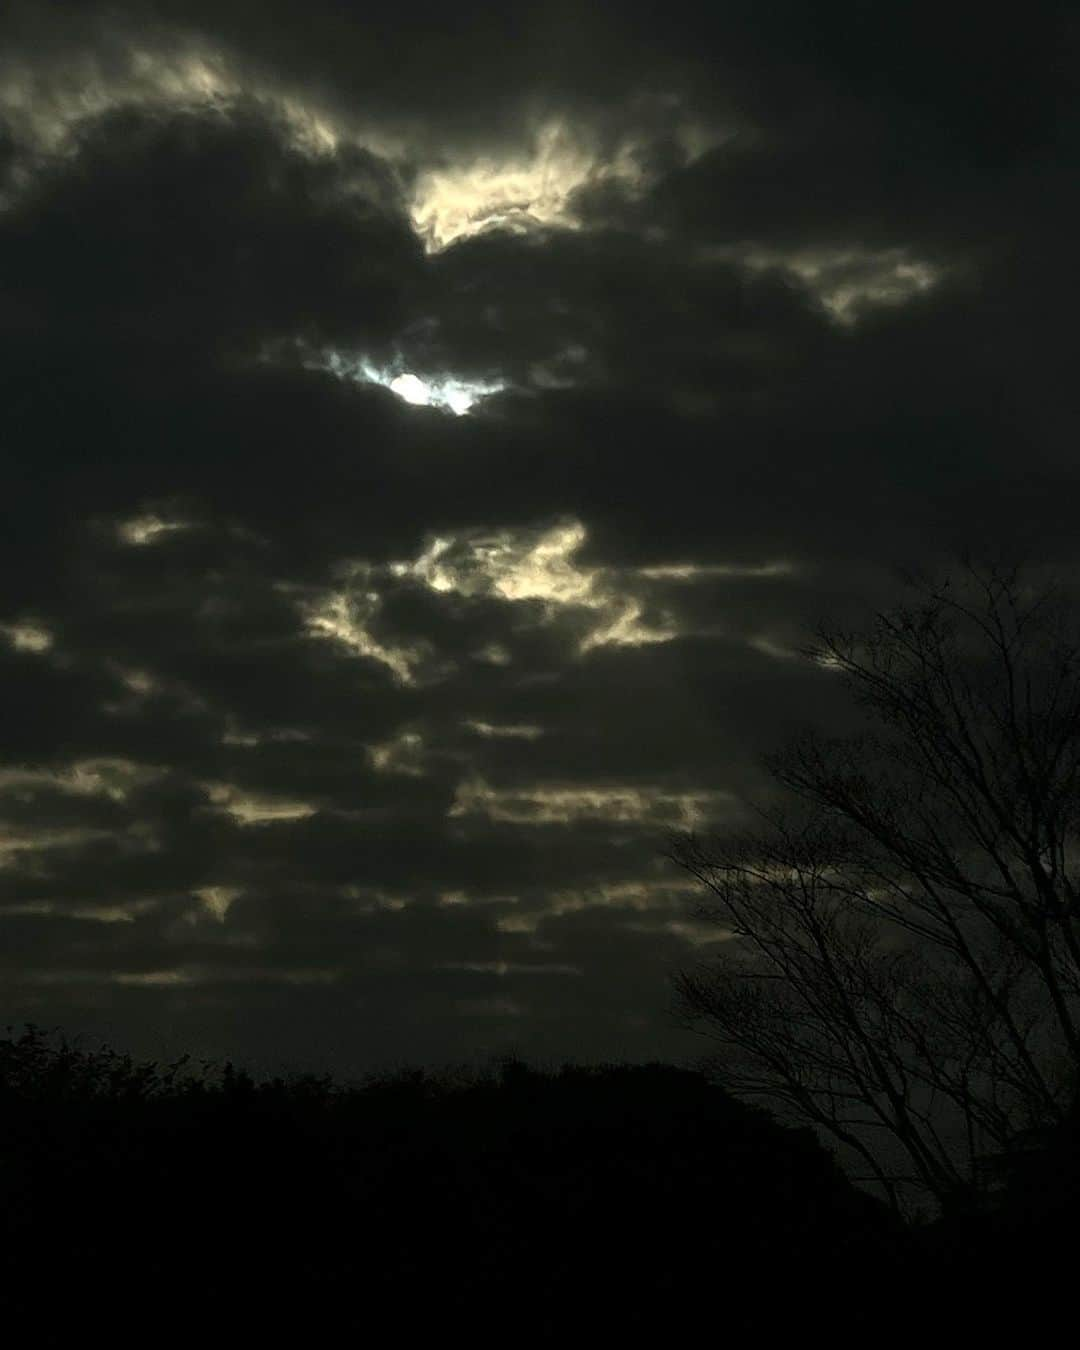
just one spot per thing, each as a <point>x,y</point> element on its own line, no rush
<point>904,971</point>
<point>169,1200</point>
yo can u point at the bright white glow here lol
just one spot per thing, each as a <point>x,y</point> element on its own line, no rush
<point>444,392</point>
<point>411,388</point>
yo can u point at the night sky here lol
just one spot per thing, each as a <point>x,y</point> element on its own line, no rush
<point>429,433</point>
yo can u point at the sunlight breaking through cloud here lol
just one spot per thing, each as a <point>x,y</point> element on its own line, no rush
<point>346,613</point>
<point>516,191</point>
<point>445,392</point>
<point>539,565</point>
<point>45,107</point>
<point>449,193</point>
<point>533,186</point>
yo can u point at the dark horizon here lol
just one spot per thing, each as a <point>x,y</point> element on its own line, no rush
<point>429,439</point>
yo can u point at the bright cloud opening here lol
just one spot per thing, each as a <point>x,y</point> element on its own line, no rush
<point>513,192</point>
<point>534,186</point>
<point>539,565</point>
<point>445,392</point>
<point>345,617</point>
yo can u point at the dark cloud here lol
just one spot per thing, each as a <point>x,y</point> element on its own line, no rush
<point>207,231</point>
<point>344,730</point>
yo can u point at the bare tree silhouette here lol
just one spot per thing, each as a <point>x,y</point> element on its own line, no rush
<point>904,970</point>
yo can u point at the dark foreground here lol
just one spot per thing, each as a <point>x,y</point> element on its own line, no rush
<point>153,1206</point>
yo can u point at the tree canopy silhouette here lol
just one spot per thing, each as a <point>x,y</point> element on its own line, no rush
<point>605,1198</point>
<point>904,966</point>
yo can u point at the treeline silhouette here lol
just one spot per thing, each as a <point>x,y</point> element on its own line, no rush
<point>163,1202</point>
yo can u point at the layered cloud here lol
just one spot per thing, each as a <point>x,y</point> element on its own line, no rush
<point>428,442</point>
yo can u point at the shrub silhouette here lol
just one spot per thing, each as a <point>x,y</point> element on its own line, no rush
<point>610,1197</point>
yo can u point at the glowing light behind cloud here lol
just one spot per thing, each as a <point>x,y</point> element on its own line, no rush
<point>844,281</point>
<point>533,186</point>
<point>516,191</point>
<point>529,184</point>
<point>539,565</point>
<point>345,616</point>
<point>45,107</point>
<point>28,636</point>
<point>449,195</point>
<point>445,392</point>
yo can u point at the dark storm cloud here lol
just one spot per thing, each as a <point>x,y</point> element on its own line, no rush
<point>341,720</point>
<point>206,228</point>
